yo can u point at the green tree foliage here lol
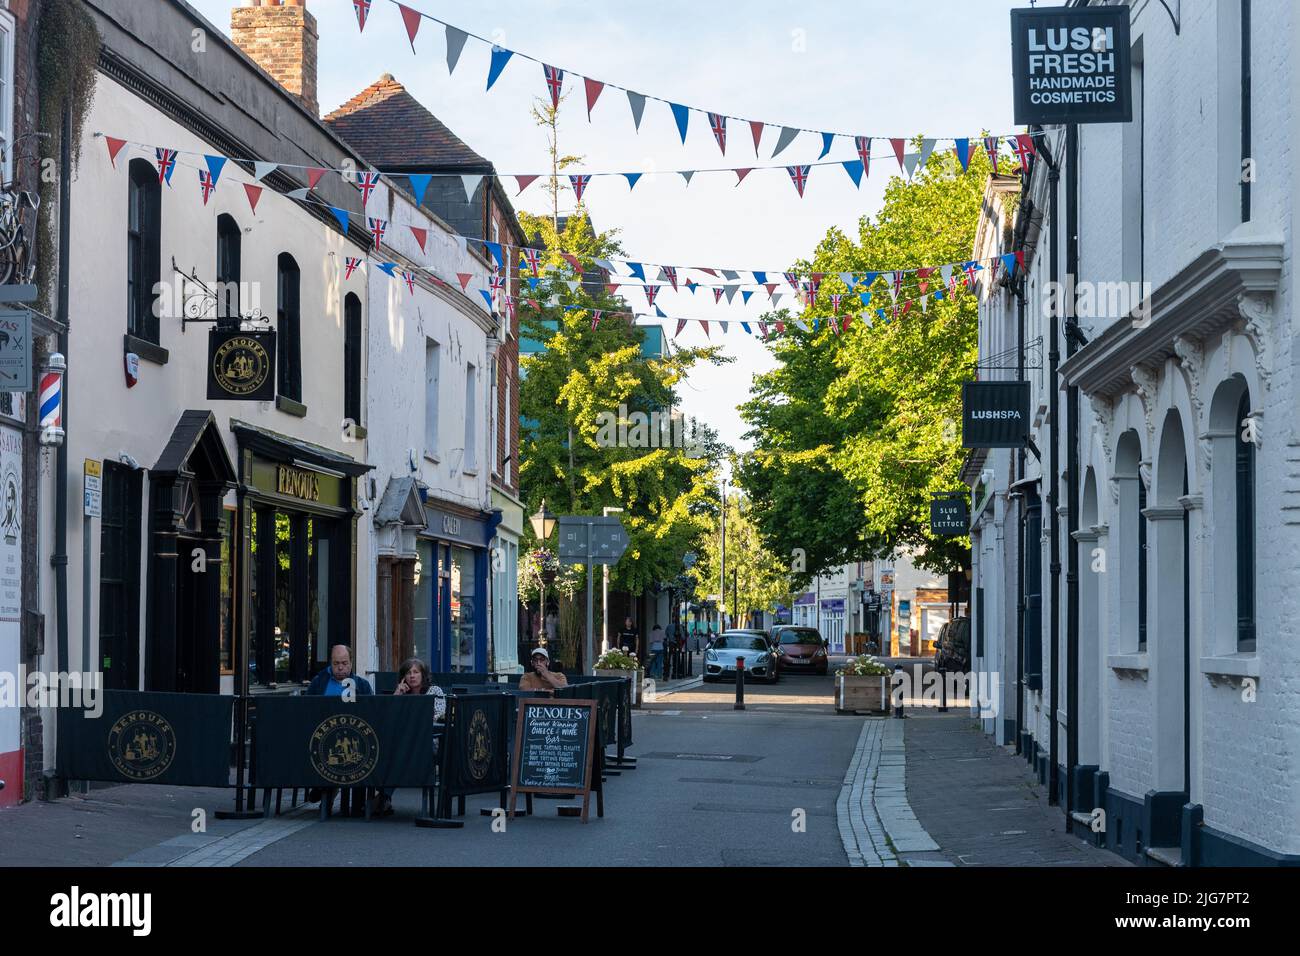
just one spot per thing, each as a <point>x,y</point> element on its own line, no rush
<point>854,430</point>
<point>756,578</point>
<point>583,372</point>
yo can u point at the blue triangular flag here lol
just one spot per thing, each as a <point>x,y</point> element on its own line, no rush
<point>869,278</point>
<point>500,57</point>
<point>962,146</point>
<point>342,216</point>
<point>854,168</point>
<point>637,270</point>
<point>745,296</point>
<point>419,185</point>
<point>760,278</point>
<point>1009,263</point>
<point>816,324</point>
<point>881,313</point>
<point>215,164</point>
<point>631,179</point>
<point>532,282</point>
<point>827,139</point>
<point>659,313</point>
<point>487,297</point>
<point>494,250</point>
<point>939,294</point>
<point>682,114</point>
<point>745,326</point>
<point>388,267</point>
<point>865,297</point>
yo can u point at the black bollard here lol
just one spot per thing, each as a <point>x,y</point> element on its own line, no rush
<point>898,711</point>
<point>943,692</point>
<point>740,683</point>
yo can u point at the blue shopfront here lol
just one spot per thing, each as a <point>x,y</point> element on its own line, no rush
<point>451,587</point>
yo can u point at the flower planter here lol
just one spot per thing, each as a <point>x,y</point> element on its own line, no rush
<point>854,694</point>
<point>633,676</point>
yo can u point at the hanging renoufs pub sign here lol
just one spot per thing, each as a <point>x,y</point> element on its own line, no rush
<point>241,366</point>
<point>1072,65</point>
<point>994,414</point>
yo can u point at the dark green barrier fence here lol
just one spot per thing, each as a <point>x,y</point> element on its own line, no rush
<point>142,737</point>
<point>475,753</point>
<point>325,742</point>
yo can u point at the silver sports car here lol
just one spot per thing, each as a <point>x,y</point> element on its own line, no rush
<point>760,662</point>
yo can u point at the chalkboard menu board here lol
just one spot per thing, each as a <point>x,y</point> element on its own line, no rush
<point>554,748</point>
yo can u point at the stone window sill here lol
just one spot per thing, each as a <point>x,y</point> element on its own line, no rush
<point>470,472</point>
<point>148,351</point>
<point>432,458</point>
<point>290,406</point>
<point>1137,664</point>
<point>1231,665</point>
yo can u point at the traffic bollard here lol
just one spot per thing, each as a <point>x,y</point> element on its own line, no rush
<point>943,692</point>
<point>898,711</point>
<point>740,683</point>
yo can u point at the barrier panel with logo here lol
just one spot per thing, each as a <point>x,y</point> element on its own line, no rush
<point>145,737</point>
<point>326,742</point>
<point>475,758</point>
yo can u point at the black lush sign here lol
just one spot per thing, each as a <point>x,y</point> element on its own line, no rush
<point>1071,65</point>
<point>475,759</point>
<point>949,516</point>
<point>553,743</point>
<point>995,414</point>
<point>328,742</point>
<point>177,739</point>
<point>241,365</point>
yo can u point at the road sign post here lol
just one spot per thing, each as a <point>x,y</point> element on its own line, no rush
<point>591,539</point>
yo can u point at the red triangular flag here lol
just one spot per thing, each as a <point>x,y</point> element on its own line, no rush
<point>741,174</point>
<point>420,235</point>
<point>412,20</point>
<point>681,324</point>
<point>1020,258</point>
<point>254,194</point>
<point>464,278</point>
<point>313,176</point>
<point>572,260</point>
<point>898,145</point>
<point>756,127</point>
<point>114,147</point>
<point>593,93</point>
<point>771,289</point>
<point>709,271</point>
<point>705,326</point>
<point>780,327</point>
<point>524,182</point>
<point>611,287</point>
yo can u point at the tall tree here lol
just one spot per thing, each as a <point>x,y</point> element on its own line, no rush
<point>757,579</point>
<point>547,115</point>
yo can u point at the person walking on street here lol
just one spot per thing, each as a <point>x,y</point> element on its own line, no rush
<point>657,653</point>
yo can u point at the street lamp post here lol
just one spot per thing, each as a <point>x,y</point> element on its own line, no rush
<point>604,592</point>
<point>543,523</point>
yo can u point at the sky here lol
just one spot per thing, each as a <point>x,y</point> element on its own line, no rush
<point>862,67</point>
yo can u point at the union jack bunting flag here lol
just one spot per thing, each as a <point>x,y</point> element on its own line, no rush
<point>580,184</point>
<point>206,184</point>
<point>810,294</point>
<point>897,285</point>
<point>718,123</point>
<point>717,296</point>
<point>554,83</point>
<point>791,278</point>
<point>650,292</point>
<point>762,327</point>
<point>970,269</point>
<point>350,264</point>
<point>835,301</point>
<point>363,10</point>
<point>377,227</point>
<point>410,281</point>
<point>1023,144</point>
<point>799,176</point>
<point>533,258</point>
<point>166,164</point>
<point>863,144</point>
<point>498,282</point>
<point>595,319</point>
<point>366,182</point>
<point>510,306</point>
<point>991,147</point>
<point>670,273</point>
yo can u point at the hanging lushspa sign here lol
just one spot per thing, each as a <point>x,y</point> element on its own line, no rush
<point>241,366</point>
<point>994,414</point>
<point>949,516</point>
<point>1072,65</point>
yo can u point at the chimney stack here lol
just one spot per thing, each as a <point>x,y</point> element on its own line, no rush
<point>280,36</point>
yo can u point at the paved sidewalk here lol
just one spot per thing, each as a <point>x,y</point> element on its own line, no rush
<point>980,802</point>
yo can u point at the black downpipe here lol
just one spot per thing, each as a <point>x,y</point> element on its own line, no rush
<point>1020,550</point>
<point>1072,475</point>
<point>1054,488</point>
<point>59,557</point>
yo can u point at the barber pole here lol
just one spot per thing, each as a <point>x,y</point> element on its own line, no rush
<point>51,400</point>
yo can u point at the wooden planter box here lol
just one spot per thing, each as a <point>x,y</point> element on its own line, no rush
<point>635,677</point>
<point>870,694</point>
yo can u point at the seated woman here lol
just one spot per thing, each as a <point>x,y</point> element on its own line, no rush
<point>414,679</point>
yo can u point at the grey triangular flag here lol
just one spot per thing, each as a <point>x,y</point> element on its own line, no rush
<point>927,147</point>
<point>687,174</point>
<point>298,193</point>
<point>732,276</point>
<point>263,169</point>
<point>788,133</point>
<point>909,164</point>
<point>572,284</point>
<point>603,264</point>
<point>663,276</point>
<point>471,186</point>
<point>637,102</point>
<point>946,272</point>
<point>455,43</point>
<point>777,297</point>
<point>730,292</point>
<point>802,324</point>
<point>849,280</point>
<point>724,327</point>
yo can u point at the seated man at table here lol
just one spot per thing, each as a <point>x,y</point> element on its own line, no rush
<point>329,683</point>
<point>541,677</point>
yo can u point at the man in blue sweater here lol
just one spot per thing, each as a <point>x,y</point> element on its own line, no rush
<point>332,682</point>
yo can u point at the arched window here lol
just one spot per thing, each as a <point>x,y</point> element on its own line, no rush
<point>143,249</point>
<point>1141,559</point>
<point>352,358</point>
<point>288,324</point>
<point>1245,493</point>
<point>228,269</point>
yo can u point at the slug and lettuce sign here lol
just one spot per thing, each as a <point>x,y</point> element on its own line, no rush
<point>949,515</point>
<point>1072,65</point>
<point>995,414</point>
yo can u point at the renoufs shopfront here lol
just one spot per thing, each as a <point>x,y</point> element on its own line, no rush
<point>451,587</point>
<point>296,540</point>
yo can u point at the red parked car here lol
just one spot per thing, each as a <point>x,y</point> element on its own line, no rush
<point>800,649</point>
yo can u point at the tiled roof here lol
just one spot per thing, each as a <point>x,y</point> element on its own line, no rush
<point>390,128</point>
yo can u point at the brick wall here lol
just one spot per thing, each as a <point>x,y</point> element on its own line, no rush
<point>282,40</point>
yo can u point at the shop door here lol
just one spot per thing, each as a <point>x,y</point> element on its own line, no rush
<point>119,577</point>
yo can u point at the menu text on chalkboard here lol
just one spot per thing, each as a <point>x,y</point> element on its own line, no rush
<point>554,748</point>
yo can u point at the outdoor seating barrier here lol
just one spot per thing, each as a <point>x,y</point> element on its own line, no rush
<point>621,736</point>
<point>148,737</point>
<point>473,758</point>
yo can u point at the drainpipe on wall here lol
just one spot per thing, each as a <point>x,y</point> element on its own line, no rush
<point>1072,339</point>
<point>1054,488</point>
